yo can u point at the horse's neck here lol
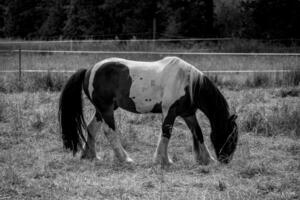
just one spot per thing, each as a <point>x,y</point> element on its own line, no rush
<point>212,103</point>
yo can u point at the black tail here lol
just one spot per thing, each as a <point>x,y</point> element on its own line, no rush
<point>70,114</point>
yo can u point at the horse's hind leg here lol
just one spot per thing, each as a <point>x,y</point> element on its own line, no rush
<point>113,136</point>
<point>202,155</point>
<point>94,126</point>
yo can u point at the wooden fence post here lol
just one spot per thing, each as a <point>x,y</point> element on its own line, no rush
<point>20,65</point>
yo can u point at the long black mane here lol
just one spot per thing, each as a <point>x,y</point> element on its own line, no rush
<point>208,98</point>
<point>211,101</point>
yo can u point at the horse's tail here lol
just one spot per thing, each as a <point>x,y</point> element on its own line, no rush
<point>70,113</point>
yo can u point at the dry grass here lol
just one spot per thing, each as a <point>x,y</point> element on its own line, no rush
<point>62,61</point>
<point>53,81</point>
<point>233,45</point>
<point>264,115</point>
<point>32,82</point>
<point>33,164</point>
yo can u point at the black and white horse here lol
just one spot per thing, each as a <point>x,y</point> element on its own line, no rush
<point>169,86</point>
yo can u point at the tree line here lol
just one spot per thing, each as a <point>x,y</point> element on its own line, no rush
<point>125,19</point>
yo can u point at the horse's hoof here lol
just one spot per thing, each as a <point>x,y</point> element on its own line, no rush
<point>202,162</point>
<point>170,161</point>
<point>126,160</point>
<point>91,156</point>
<point>129,160</point>
<point>205,161</point>
<point>163,161</point>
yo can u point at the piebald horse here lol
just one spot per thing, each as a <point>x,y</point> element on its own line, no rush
<point>170,86</point>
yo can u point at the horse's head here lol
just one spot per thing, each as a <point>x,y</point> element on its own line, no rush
<point>225,143</point>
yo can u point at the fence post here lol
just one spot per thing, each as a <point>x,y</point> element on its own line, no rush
<point>153,33</point>
<point>71,45</point>
<point>20,65</point>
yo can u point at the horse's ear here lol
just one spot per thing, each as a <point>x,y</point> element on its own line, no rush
<point>233,117</point>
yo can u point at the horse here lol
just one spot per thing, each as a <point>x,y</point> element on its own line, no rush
<point>170,86</point>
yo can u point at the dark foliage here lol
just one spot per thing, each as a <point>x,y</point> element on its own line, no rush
<point>272,19</point>
<point>125,19</point>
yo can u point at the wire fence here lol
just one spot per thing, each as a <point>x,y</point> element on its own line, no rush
<point>51,56</point>
<point>151,52</point>
<point>182,44</point>
<point>19,54</point>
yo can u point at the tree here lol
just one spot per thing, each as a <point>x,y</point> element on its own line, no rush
<point>228,18</point>
<point>190,18</point>
<point>2,12</point>
<point>53,25</point>
<point>273,19</point>
<point>23,18</point>
<point>82,18</point>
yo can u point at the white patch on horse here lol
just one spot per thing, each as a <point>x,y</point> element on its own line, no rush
<point>176,72</point>
<point>146,86</point>
<point>157,82</point>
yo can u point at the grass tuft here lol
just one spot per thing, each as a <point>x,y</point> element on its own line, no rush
<point>285,120</point>
<point>253,169</point>
<point>258,80</point>
<point>32,82</point>
<point>3,107</point>
<point>279,119</point>
<point>221,186</point>
<point>38,123</point>
<point>255,121</point>
<point>48,82</point>
<point>286,92</point>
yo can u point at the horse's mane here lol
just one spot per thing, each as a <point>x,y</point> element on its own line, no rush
<point>208,97</point>
<point>196,78</point>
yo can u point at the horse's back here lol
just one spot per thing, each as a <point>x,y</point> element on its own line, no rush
<point>139,86</point>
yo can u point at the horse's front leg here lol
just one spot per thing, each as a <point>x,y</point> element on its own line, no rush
<point>161,153</point>
<point>202,155</point>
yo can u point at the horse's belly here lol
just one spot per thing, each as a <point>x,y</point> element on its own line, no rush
<point>145,101</point>
<point>146,95</point>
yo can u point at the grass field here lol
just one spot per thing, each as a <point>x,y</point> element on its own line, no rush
<point>266,165</point>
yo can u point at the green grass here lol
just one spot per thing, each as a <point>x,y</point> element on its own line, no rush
<point>34,165</point>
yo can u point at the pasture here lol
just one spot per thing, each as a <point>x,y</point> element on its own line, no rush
<point>265,166</point>
<point>34,165</point>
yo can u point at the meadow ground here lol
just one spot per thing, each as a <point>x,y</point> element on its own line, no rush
<point>266,165</point>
